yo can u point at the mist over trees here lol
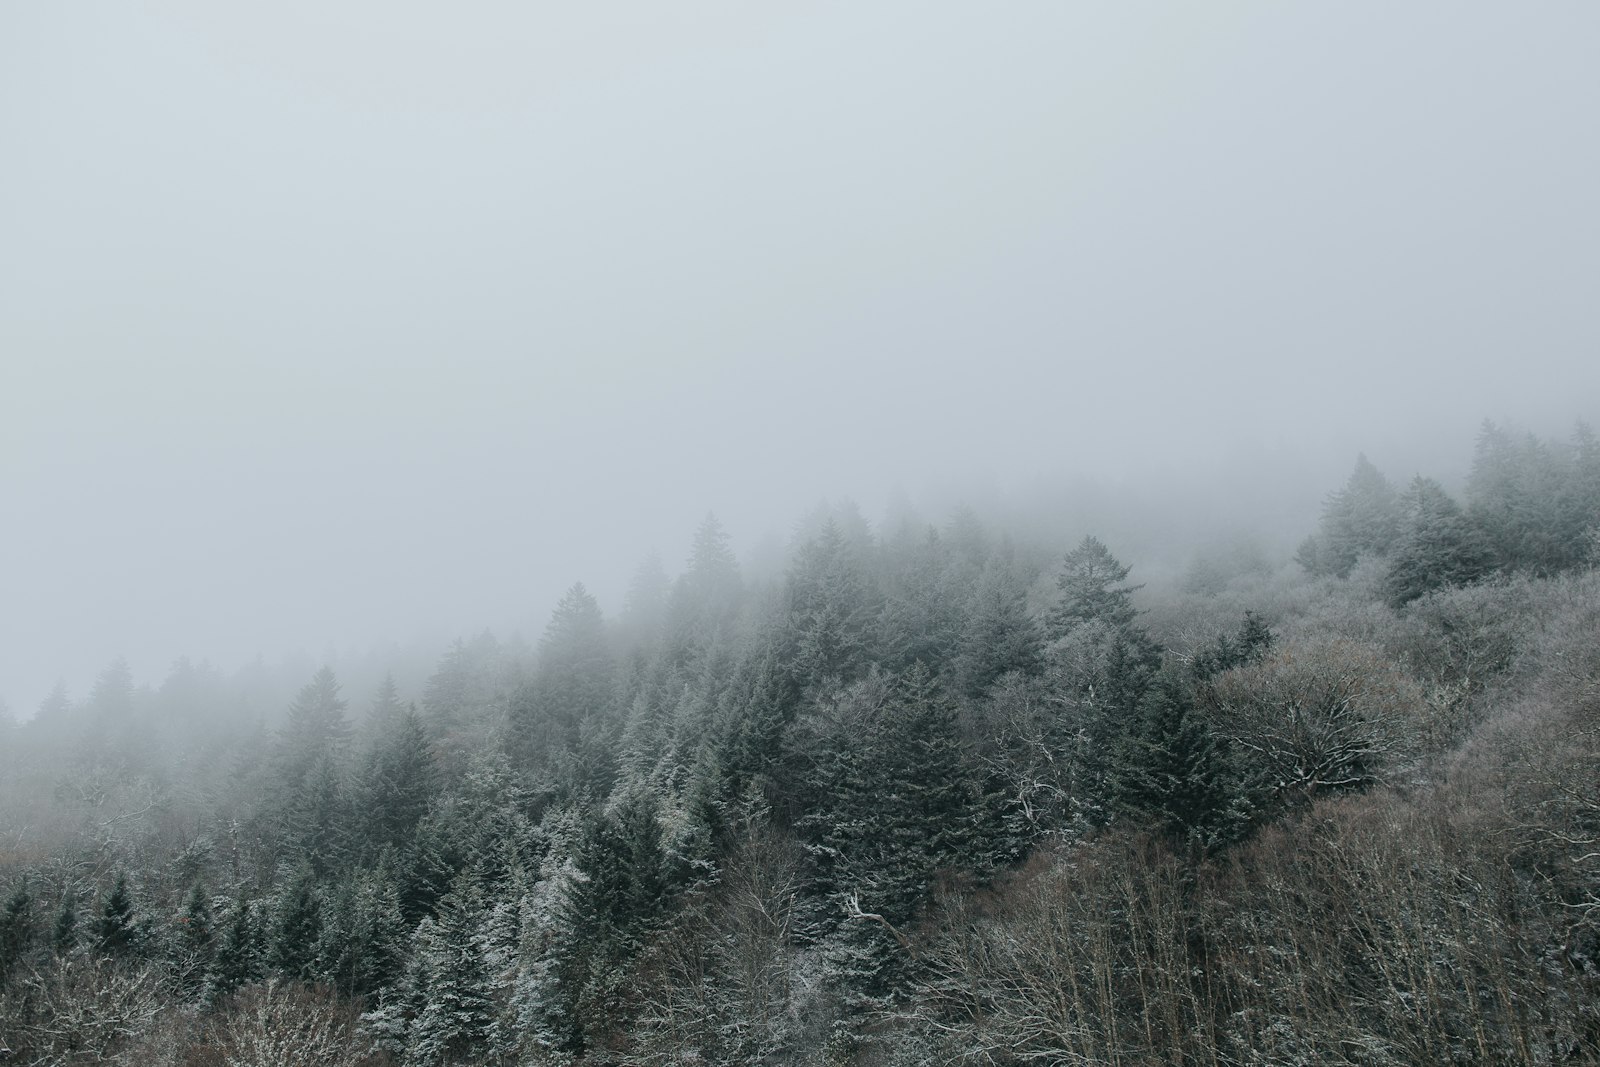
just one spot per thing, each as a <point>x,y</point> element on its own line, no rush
<point>938,793</point>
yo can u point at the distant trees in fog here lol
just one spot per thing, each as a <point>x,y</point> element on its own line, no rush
<point>934,796</point>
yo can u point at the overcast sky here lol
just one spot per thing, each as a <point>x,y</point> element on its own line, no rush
<point>334,322</point>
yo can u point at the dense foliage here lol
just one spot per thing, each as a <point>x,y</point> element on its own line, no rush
<point>933,797</point>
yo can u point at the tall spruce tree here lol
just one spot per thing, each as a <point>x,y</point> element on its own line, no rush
<point>296,927</point>
<point>16,930</point>
<point>1438,546</point>
<point>396,783</point>
<point>117,929</point>
<point>998,634</point>
<point>575,682</point>
<point>456,1013</point>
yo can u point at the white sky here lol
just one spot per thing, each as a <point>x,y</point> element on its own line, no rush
<point>328,322</point>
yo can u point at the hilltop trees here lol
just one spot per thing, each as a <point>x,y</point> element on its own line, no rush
<point>921,798</point>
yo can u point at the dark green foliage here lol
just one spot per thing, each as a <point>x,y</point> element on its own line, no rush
<point>396,783</point>
<point>296,928</point>
<point>605,916</point>
<point>1169,771</point>
<point>1252,641</point>
<point>196,925</point>
<point>1438,548</point>
<point>1091,589</point>
<point>317,822</point>
<point>237,959</point>
<point>757,709</point>
<point>896,803</point>
<point>453,1022</point>
<point>117,929</point>
<point>64,931</point>
<point>832,795</point>
<point>362,940</point>
<point>999,635</point>
<point>192,943</point>
<point>623,863</point>
<point>16,930</point>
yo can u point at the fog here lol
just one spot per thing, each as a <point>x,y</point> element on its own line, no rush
<point>325,326</point>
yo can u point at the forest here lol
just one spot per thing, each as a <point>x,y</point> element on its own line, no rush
<point>944,793</point>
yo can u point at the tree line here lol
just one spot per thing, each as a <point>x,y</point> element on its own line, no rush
<point>933,796</point>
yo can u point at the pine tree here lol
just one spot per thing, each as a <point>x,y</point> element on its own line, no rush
<point>296,928</point>
<point>999,635</point>
<point>112,695</point>
<point>1361,519</point>
<point>574,683</point>
<point>16,930</point>
<point>195,941</point>
<point>1092,589</point>
<point>757,710</point>
<point>117,930</point>
<point>1438,546</point>
<point>922,613</point>
<point>831,613</point>
<point>705,601</point>
<point>1252,641</point>
<point>316,730</point>
<point>64,931</point>
<point>317,821</point>
<point>454,1021</point>
<point>396,783</point>
<point>237,959</point>
<point>386,707</point>
<point>895,803</point>
<point>644,608</point>
<point>1168,770</point>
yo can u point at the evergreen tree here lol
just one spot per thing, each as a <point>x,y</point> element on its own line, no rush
<point>895,804</point>
<point>396,783</point>
<point>1252,641</point>
<point>757,710</point>
<point>296,928</point>
<point>922,612</point>
<point>196,938</point>
<point>1438,547</point>
<point>705,601</point>
<point>1168,770</point>
<point>317,821</point>
<point>644,608</point>
<point>16,930</point>
<point>117,930</point>
<point>999,635</point>
<point>608,909</point>
<point>831,612</point>
<point>386,707</point>
<point>64,931</point>
<point>456,1015</point>
<point>1534,503</point>
<point>574,683</point>
<point>316,730</point>
<point>1361,519</point>
<point>237,958</point>
<point>1092,589</point>
<point>56,706</point>
<point>112,695</point>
